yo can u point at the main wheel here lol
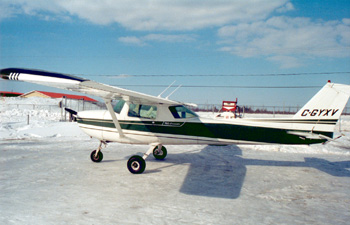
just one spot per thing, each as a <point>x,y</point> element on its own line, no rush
<point>97,158</point>
<point>160,153</point>
<point>136,164</point>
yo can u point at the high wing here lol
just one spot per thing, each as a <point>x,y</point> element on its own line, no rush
<point>78,84</point>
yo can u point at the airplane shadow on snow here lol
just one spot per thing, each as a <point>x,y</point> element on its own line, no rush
<point>220,174</point>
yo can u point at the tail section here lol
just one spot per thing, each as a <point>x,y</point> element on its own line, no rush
<point>327,104</point>
<point>323,110</point>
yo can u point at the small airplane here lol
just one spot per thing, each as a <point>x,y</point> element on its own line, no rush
<point>139,118</point>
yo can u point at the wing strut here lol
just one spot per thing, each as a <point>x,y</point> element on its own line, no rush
<point>114,117</point>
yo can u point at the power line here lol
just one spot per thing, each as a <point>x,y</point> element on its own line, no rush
<point>217,86</point>
<point>214,75</point>
<point>211,86</point>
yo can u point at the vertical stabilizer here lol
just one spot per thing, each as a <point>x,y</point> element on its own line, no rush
<point>327,104</point>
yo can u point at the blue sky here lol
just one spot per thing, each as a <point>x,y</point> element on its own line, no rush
<point>127,38</point>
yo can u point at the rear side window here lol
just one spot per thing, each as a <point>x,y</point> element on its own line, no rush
<point>143,111</point>
<point>181,112</point>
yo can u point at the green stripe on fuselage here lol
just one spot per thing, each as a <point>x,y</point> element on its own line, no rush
<point>211,130</point>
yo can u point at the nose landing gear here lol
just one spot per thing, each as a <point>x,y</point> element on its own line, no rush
<point>137,164</point>
<point>96,155</point>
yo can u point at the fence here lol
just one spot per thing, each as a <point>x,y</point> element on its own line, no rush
<point>56,106</point>
<point>50,108</point>
<point>257,109</point>
<point>81,105</point>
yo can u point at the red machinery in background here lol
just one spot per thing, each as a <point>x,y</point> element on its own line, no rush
<point>229,110</point>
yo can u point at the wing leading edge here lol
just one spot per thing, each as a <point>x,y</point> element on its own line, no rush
<point>74,83</point>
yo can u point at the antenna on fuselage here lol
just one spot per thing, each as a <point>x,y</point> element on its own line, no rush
<point>160,95</point>
<point>173,91</point>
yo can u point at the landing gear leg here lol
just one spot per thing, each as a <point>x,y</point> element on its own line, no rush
<point>96,155</point>
<point>137,164</point>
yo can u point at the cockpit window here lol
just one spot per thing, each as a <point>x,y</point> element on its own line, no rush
<point>118,107</point>
<point>181,112</point>
<point>142,111</point>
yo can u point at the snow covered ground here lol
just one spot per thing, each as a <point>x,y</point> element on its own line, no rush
<point>47,177</point>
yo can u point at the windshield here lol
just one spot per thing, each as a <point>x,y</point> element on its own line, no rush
<point>181,112</point>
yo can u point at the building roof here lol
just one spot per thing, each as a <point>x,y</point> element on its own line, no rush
<point>61,95</point>
<point>10,93</point>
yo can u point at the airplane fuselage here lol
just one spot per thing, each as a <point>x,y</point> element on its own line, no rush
<point>164,128</point>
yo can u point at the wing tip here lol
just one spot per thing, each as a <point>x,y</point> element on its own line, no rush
<point>7,72</point>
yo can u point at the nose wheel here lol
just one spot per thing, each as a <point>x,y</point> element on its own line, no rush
<point>137,164</point>
<point>96,155</point>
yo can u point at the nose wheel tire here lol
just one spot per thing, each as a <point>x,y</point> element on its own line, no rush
<point>136,164</point>
<point>96,158</point>
<point>160,153</point>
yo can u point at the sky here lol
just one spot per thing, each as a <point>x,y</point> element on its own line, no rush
<point>217,50</point>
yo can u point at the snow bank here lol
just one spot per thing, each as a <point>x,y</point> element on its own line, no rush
<point>28,118</point>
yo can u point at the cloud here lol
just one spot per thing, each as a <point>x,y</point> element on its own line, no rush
<point>287,40</point>
<point>132,40</point>
<point>151,15</point>
<point>169,38</point>
<point>44,9</point>
<point>286,61</point>
<point>245,27</point>
<point>285,8</point>
<point>5,12</point>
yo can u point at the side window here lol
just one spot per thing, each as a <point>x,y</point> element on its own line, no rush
<point>181,112</point>
<point>118,107</point>
<point>142,111</point>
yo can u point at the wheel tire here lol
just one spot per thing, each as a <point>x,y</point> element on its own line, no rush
<point>97,158</point>
<point>136,164</point>
<point>160,154</point>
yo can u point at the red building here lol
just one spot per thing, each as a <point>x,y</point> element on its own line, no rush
<point>44,94</point>
<point>9,94</point>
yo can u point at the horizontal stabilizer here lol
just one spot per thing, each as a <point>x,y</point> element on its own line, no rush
<point>71,111</point>
<point>309,135</point>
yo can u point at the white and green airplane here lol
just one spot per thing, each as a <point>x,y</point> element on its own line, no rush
<point>139,118</point>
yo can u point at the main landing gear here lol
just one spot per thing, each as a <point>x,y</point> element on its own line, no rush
<point>137,164</point>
